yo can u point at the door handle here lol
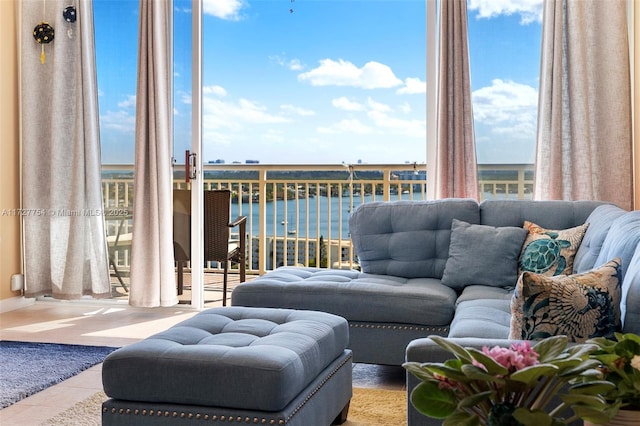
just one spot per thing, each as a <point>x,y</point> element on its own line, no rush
<point>189,166</point>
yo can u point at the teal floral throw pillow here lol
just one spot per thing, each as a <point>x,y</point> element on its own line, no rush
<point>579,306</point>
<point>550,252</point>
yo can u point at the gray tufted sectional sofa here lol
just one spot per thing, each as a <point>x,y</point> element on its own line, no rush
<point>399,298</point>
<point>403,248</point>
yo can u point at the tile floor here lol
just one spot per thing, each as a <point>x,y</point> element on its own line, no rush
<point>111,323</point>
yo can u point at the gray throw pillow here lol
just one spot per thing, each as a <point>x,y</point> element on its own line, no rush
<point>482,254</point>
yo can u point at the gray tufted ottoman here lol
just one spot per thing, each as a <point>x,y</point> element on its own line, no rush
<point>234,365</point>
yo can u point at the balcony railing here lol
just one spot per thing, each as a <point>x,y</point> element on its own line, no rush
<point>298,214</point>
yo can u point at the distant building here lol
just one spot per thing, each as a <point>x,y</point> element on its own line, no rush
<point>252,162</point>
<point>218,161</point>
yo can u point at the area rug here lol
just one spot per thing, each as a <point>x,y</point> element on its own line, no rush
<point>369,407</point>
<point>27,368</point>
<point>377,407</point>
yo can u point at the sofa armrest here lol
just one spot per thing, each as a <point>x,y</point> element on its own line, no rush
<point>426,350</point>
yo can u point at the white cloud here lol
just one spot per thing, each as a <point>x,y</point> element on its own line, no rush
<point>505,101</point>
<point>130,102</point>
<point>253,112</point>
<point>520,129</point>
<point>291,64</point>
<point>376,118</point>
<point>227,123</point>
<point>405,108</point>
<point>411,128</point>
<point>295,65</point>
<point>505,122</point>
<point>223,9</point>
<point>185,97</point>
<point>352,125</point>
<point>346,104</point>
<point>292,109</point>
<point>413,86</point>
<point>529,10</point>
<point>240,121</point>
<point>373,75</point>
<point>377,106</point>
<point>218,114</point>
<point>212,139</point>
<point>120,121</point>
<point>219,91</point>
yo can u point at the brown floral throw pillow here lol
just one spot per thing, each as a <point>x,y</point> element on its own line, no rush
<point>579,306</point>
<point>550,252</point>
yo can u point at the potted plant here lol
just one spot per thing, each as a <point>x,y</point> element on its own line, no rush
<point>550,383</point>
<point>620,364</point>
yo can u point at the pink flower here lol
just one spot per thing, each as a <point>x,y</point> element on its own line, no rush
<point>529,356</point>
<point>517,357</point>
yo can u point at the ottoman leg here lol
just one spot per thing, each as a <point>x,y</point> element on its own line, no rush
<point>342,417</point>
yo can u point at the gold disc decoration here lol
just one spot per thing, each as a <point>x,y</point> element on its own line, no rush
<point>43,33</point>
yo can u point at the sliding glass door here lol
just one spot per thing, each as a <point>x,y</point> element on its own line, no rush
<point>116,26</point>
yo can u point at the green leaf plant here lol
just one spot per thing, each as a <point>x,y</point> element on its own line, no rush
<point>619,362</point>
<point>547,384</point>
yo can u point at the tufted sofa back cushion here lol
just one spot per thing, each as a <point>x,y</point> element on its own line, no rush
<point>548,214</point>
<point>622,241</point>
<point>407,238</point>
<point>600,221</point>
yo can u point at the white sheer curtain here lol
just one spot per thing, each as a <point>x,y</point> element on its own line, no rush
<point>65,251</point>
<point>152,264</point>
<point>456,165</point>
<point>584,113</point>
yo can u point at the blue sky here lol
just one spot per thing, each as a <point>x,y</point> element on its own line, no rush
<point>331,82</point>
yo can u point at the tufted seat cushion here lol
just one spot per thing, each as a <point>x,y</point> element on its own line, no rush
<point>389,299</point>
<point>484,318</point>
<point>213,358</point>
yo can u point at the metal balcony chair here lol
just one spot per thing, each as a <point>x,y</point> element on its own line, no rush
<point>217,230</point>
<point>181,232</point>
<point>218,246</point>
<point>117,244</point>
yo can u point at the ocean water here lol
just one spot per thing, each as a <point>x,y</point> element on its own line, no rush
<point>290,218</point>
